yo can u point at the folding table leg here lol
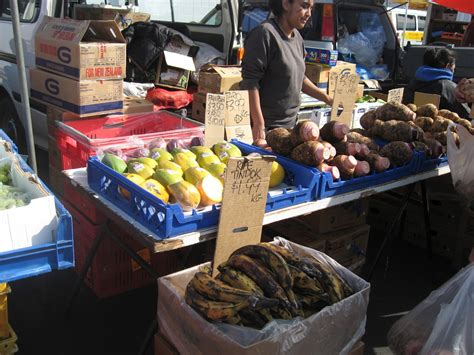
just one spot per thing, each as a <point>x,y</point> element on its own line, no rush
<point>389,234</point>
<point>426,214</point>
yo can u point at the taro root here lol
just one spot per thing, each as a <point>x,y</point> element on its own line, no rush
<point>453,116</point>
<point>394,111</point>
<point>348,148</point>
<point>395,131</point>
<point>304,131</point>
<point>357,137</point>
<point>362,168</point>
<point>412,107</point>
<point>333,170</point>
<point>364,151</point>
<point>279,140</point>
<point>427,110</point>
<point>466,124</point>
<point>334,131</point>
<point>361,131</point>
<point>399,153</point>
<point>346,165</point>
<point>330,147</point>
<point>435,147</point>
<point>367,119</point>
<point>440,124</point>
<point>311,153</point>
<point>377,163</point>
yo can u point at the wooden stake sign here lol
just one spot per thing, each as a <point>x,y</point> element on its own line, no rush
<point>214,119</point>
<point>395,95</point>
<point>336,72</point>
<point>344,97</point>
<point>237,116</point>
<point>243,205</point>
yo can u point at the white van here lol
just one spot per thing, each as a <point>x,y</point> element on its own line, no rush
<point>415,25</point>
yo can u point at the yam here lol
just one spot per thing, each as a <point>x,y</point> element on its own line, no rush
<point>395,131</point>
<point>304,131</point>
<point>334,131</point>
<point>441,137</point>
<point>362,168</point>
<point>330,147</point>
<point>421,147</point>
<point>310,153</point>
<point>399,153</point>
<point>424,123</point>
<point>346,164</point>
<point>377,163</point>
<point>427,110</point>
<point>279,140</point>
<point>333,170</point>
<point>441,124</point>
<point>364,151</point>
<point>453,116</point>
<point>367,119</point>
<point>394,111</point>
<point>435,147</point>
<point>357,137</point>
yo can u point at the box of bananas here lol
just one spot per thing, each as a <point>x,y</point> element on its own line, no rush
<point>276,297</point>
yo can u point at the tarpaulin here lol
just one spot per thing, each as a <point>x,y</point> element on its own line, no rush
<point>459,5</point>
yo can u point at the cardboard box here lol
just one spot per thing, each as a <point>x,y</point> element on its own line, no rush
<point>54,114</point>
<point>348,245</point>
<point>318,74</point>
<point>40,213</point>
<point>136,105</point>
<point>360,110</point>
<point>321,116</point>
<point>173,70</point>
<point>217,79</point>
<point>199,107</point>
<point>321,56</point>
<point>123,17</point>
<point>84,98</point>
<point>298,233</point>
<point>350,214</point>
<point>81,50</point>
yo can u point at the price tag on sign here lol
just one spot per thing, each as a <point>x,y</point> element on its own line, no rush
<point>214,119</point>
<point>243,205</point>
<point>344,98</point>
<point>237,116</point>
<point>395,95</point>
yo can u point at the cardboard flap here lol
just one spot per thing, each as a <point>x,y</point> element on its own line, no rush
<point>224,71</point>
<point>106,31</point>
<point>179,61</point>
<point>421,99</point>
<point>59,29</point>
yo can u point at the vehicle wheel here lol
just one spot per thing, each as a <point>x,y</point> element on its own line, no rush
<point>11,125</point>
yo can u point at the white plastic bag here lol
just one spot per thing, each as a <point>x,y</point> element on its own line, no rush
<point>442,324</point>
<point>461,162</point>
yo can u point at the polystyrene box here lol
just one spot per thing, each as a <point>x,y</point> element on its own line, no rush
<point>30,225</point>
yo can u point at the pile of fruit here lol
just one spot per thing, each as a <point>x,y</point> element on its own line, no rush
<point>10,196</point>
<point>190,176</point>
<point>262,282</point>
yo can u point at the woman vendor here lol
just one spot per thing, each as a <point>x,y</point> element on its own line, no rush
<point>273,67</point>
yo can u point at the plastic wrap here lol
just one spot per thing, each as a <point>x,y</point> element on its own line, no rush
<point>461,162</point>
<point>442,323</point>
<point>333,330</point>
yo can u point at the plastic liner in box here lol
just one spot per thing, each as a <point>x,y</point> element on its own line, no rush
<point>334,330</point>
<point>26,262</point>
<point>303,182</point>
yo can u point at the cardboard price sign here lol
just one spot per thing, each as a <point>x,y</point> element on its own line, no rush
<point>214,119</point>
<point>337,72</point>
<point>422,99</point>
<point>237,116</point>
<point>344,96</point>
<point>243,205</point>
<point>396,95</point>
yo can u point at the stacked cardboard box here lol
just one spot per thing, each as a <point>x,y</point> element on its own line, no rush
<point>214,80</point>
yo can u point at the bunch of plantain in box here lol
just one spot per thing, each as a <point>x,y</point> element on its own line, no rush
<point>263,282</point>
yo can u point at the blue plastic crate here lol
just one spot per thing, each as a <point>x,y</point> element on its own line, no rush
<point>425,164</point>
<point>331,187</point>
<point>26,262</point>
<point>303,181</point>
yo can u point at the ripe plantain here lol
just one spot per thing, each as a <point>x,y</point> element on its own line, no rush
<point>217,290</point>
<point>275,263</point>
<point>260,275</point>
<point>342,289</point>
<point>280,313</point>
<point>252,319</point>
<point>212,310</point>
<point>306,285</point>
<point>311,302</point>
<point>238,279</point>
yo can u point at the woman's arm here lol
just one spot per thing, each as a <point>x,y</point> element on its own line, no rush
<point>312,90</point>
<point>256,115</point>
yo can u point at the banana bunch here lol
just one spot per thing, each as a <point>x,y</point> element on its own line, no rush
<point>259,283</point>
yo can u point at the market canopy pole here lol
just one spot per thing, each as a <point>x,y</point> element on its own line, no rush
<point>25,99</point>
<point>459,5</point>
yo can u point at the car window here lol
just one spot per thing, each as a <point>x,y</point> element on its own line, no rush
<point>26,8</point>
<point>205,12</point>
<point>421,23</point>
<point>411,24</point>
<point>253,17</point>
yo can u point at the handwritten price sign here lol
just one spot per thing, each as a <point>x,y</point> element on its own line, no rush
<point>395,95</point>
<point>214,119</point>
<point>237,108</point>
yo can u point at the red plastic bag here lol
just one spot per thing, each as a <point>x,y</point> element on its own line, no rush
<point>166,99</point>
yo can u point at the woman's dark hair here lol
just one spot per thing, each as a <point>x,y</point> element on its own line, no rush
<point>438,57</point>
<point>276,7</point>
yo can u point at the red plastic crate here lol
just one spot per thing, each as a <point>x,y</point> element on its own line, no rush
<point>80,139</point>
<point>112,271</point>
